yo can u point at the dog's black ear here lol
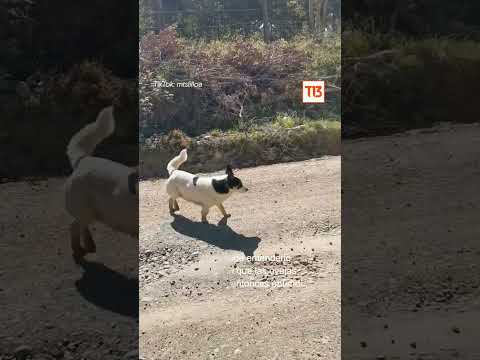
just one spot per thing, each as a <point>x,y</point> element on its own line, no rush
<point>229,171</point>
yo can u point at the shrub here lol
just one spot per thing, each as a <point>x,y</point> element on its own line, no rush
<point>244,80</point>
<point>61,104</point>
<point>402,87</point>
<point>263,145</point>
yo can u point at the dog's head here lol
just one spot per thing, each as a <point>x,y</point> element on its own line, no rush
<point>234,183</point>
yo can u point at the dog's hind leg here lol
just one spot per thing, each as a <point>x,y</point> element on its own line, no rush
<point>222,210</point>
<point>175,205</point>
<point>90,246</point>
<point>75,235</point>
<point>204,214</point>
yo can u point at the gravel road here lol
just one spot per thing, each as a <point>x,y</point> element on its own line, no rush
<point>410,284</point>
<point>52,308</point>
<point>202,298</point>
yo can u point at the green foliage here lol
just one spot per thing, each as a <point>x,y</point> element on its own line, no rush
<point>292,120</point>
<point>413,18</point>
<point>48,87</point>
<point>261,145</point>
<point>409,83</point>
<point>245,81</point>
<point>284,121</point>
<point>61,104</point>
<point>39,35</point>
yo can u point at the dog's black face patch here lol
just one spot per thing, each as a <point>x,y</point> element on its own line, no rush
<point>225,185</point>
<point>234,183</point>
<point>221,186</point>
<point>230,182</point>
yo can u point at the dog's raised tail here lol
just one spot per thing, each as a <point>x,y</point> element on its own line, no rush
<point>83,143</point>
<point>178,160</point>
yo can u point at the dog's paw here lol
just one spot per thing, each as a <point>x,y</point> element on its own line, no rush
<point>223,221</point>
<point>78,256</point>
<point>228,215</point>
<point>91,249</point>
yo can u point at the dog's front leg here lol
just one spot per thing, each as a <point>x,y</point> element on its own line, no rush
<point>90,246</point>
<point>222,210</point>
<point>204,214</point>
<point>175,205</point>
<point>78,251</point>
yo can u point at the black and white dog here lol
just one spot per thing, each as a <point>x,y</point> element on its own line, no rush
<point>205,191</point>
<point>98,189</point>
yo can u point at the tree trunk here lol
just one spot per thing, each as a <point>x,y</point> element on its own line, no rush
<point>322,11</point>
<point>157,5</point>
<point>311,16</point>
<point>267,30</point>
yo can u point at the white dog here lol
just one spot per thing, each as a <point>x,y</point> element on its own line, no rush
<point>205,191</point>
<point>98,189</point>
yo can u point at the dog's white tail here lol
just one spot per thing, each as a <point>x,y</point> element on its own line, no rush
<point>83,143</point>
<point>178,160</point>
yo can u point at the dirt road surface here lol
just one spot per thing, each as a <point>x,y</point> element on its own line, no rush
<point>52,308</point>
<point>201,298</point>
<point>410,245</point>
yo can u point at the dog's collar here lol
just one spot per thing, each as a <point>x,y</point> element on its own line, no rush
<point>195,179</point>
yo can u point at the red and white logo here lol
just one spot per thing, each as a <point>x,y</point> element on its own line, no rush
<point>313,92</point>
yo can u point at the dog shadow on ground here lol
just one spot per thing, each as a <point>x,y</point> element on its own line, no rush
<point>108,289</point>
<point>220,235</point>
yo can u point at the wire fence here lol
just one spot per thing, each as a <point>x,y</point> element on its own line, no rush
<point>229,100</point>
<point>225,22</point>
